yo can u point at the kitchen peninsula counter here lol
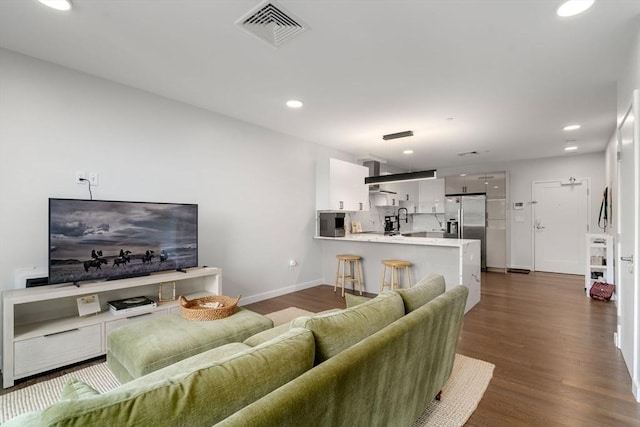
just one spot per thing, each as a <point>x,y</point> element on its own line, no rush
<point>458,260</point>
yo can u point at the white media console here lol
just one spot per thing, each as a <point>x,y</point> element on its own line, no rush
<point>42,329</point>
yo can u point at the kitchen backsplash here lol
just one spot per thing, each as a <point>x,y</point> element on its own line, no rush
<point>373,220</point>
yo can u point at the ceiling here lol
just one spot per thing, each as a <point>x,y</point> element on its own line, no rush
<point>501,78</point>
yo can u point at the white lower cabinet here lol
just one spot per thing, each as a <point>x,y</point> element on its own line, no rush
<point>57,349</point>
<point>42,330</point>
<point>132,318</point>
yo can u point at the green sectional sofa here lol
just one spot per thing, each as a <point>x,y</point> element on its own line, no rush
<point>378,363</point>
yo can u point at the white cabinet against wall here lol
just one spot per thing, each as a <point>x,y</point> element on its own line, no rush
<point>42,329</point>
<point>340,186</point>
<point>431,196</point>
<point>465,184</point>
<point>496,234</point>
<point>406,191</point>
<point>384,199</point>
<point>403,195</point>
<point>599,260</point>
<point>496,185</point>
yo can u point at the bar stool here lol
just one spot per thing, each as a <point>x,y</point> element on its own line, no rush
<point>355,272</point>
<point>395,265</point>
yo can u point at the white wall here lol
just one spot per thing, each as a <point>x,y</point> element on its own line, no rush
<point>255,188</point>
<point>629,77</point>
<point>628,81</point>
<point>521,175</point>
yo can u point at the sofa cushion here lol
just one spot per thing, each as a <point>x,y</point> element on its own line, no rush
<point>353,300</point>
<point>197,391</point>
<point>76,389</point>
<point>269,334</point>
<point>424,291</point>
<point>337,331</point>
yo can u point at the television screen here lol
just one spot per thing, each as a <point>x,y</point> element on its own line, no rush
<point>101,240</point>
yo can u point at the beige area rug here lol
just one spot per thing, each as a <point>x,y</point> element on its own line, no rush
<point>460,395</point>
<point>44,394</point>
<point>287,315</point>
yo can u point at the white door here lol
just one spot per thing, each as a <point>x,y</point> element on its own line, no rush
<point>560,222</point>
<point>628,276</point>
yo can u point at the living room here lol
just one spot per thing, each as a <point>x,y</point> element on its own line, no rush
<point>254,185</point>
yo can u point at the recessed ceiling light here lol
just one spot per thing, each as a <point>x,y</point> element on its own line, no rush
<point>463,174</point>
<point>574,7</point>
<point>57,4</point>
<point>495,186</point>
<point>294,103</point>
<point>571,127</point>
<point>571,148</point>
<point>407,152</point>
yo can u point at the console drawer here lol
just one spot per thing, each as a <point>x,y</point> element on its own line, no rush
<point>54,350</point>
<point>112,325</point>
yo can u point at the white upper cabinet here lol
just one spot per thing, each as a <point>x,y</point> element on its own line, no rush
<point>496,186</point>
<point>431,196</point>
<point>406,191</point>
<point>340,186</point>
<point>465,184</point>
<point>406,195</point>
<point>493,184</point>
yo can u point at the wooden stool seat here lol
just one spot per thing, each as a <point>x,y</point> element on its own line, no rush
<point>355,272</point>
<point>395,265</point>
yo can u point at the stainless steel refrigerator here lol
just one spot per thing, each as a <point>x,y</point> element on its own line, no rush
<point>466,218</point>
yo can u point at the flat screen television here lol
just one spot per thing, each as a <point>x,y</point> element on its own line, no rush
<point>103,240</point>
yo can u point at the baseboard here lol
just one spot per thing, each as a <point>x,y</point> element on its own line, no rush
<point>278,292</point>
<point>520,267</point>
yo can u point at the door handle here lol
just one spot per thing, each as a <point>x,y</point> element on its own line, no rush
<point>538,226</point>
<point>627,258</point>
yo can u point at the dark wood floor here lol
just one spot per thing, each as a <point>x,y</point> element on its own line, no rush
<point>556,364</point>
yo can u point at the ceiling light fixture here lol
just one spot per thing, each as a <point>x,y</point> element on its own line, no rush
<point>397,135</point>
<point>571,127</point>
<point>407,152</point>
<point>571,148</point>
<point>294,103</point>
<point>400,177</point>
<point>63,5</point>
<point>574,7</point>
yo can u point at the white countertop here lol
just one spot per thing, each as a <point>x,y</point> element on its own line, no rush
<point>402,240</point>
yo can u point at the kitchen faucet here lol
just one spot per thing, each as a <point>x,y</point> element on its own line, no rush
<point>406,216</point>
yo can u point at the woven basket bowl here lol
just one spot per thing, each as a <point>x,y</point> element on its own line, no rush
<point>191,309</point>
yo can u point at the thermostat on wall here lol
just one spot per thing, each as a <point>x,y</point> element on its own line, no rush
<point>518,205</point>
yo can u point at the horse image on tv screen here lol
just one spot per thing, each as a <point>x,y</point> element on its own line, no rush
<point>101,240</point>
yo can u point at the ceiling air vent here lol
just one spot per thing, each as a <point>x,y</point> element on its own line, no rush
<point>272,23</point>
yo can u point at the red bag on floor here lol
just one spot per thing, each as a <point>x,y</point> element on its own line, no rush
<point>601,291</point>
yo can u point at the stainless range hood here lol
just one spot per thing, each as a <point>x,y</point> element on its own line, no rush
<point>374,171</point>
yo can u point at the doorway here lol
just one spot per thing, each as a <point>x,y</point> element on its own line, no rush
<point>627,275</point>
<point>560,223</point>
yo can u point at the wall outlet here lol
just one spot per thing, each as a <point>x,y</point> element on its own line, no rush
<point>292,264</point>
<point>79,176</point>
<point>93,178</point>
